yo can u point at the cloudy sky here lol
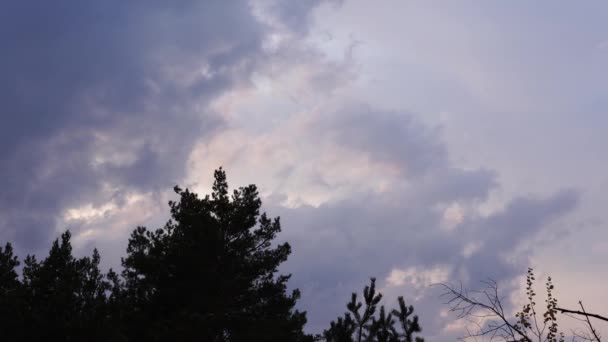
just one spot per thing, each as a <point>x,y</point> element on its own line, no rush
<point>414,141</point>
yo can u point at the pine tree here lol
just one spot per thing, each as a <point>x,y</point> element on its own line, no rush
<point>408,326</point>
<point>210,273</point>
<point>383,328</point>
<point>52,286</point>
<point>341,330</point>
<point>367,327</point>
<point>64,298</point>
<point>11,295</point>
<point>363,320</point>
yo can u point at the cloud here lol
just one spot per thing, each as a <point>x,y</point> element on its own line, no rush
<point>339,244</point>
<point>108,104</point>
<point>418,278</point>
<point>365,192</point>
<point>100,99</point>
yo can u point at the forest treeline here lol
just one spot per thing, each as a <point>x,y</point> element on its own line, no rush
<point>211,274</point>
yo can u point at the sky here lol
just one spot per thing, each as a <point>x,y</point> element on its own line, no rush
<point>418,142</point>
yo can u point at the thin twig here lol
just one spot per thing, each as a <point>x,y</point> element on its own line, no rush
<point>597,338</point>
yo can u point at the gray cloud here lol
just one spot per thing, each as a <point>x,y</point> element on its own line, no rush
<point>341,243</point>
<point>294,14</point>
<point>111,92</point>
<point>116,93</point>
<point>337,246</point>
<point>391,213</point>
<point>387,137</point>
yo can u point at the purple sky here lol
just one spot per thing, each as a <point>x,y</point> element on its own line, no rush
<point>414,141</point>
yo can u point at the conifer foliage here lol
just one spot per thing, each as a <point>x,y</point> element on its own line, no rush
<point>210,274</point>
<point>361,324</point>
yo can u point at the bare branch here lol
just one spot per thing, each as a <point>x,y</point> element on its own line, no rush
<point>597,338</point>
<point>483,311</point>
<point>466,304</point>
<point>562,310</point>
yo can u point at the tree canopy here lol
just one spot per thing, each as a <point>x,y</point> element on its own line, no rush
<point>209,274</point>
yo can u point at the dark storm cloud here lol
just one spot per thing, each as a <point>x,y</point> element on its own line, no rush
<point>121,79</point>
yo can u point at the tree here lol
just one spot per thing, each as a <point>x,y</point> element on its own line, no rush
<point>485,310</point>
<point>409,326</point>
<point>367,327</point>
<point>11,294</point>
<point>64,297</point>
<point>210,273</point>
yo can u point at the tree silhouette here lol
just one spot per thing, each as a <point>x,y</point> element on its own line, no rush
<point>485,310</point>
<point>366,327</point>
<point>64,298</point>
<point>60,297</point>
<point>409,326</point>
<point>209,273</point>
<point>11,294</point>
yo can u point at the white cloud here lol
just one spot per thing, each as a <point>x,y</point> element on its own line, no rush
<point>417,277</point>
<point>453,215</point>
